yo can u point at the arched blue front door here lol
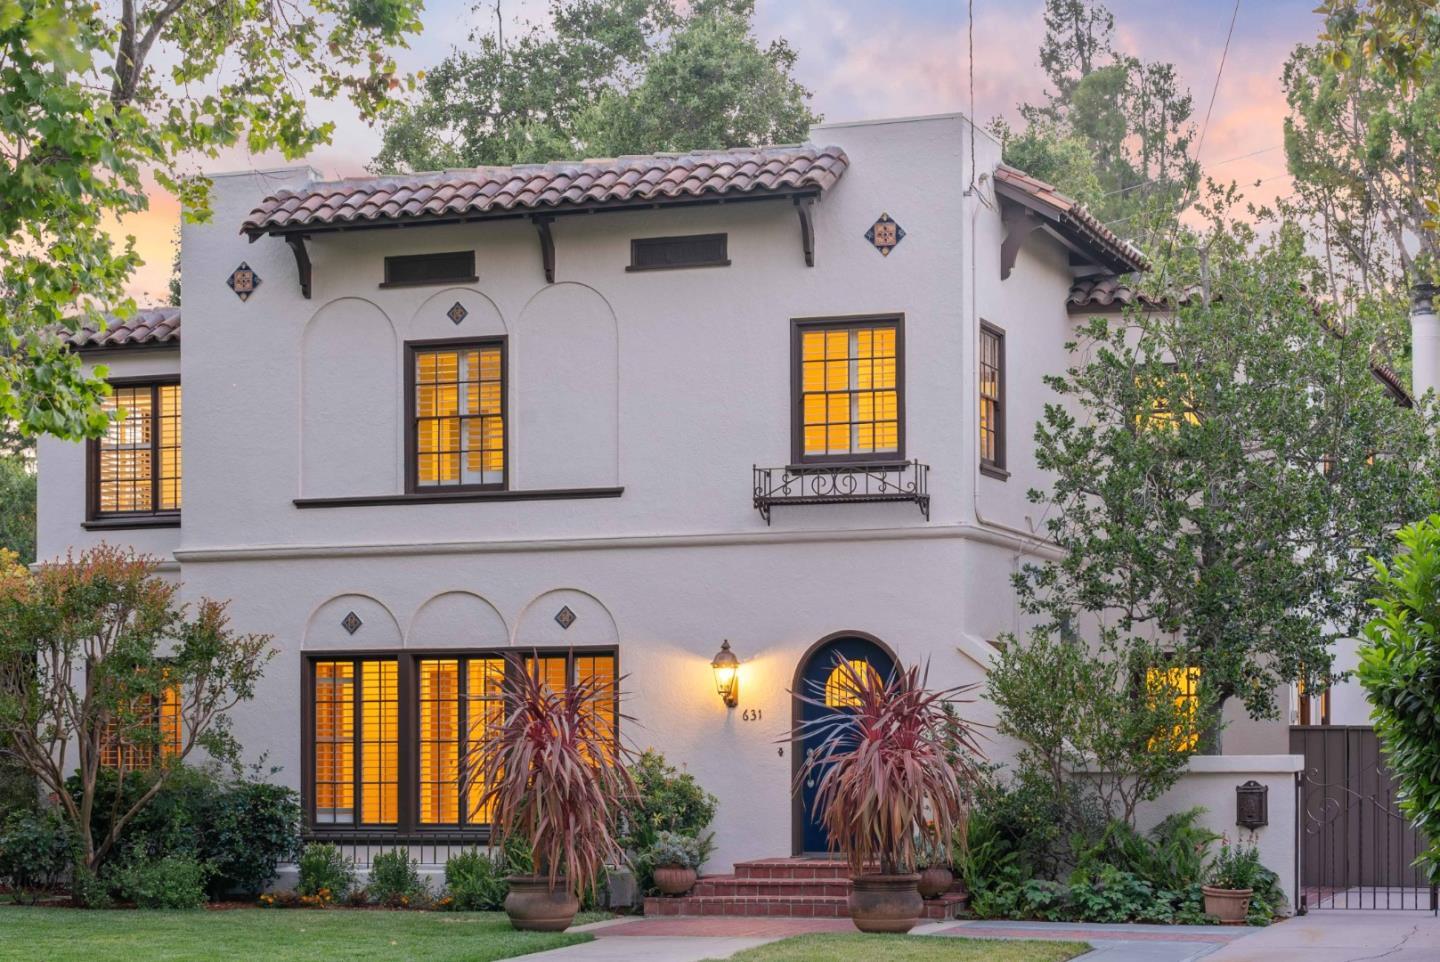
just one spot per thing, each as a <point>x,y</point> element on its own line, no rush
<point>815,681</point>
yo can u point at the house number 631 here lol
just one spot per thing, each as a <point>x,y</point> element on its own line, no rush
<point>751,714</point>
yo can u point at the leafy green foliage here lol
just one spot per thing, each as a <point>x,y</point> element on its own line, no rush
<point>169,882</point>
<point>666,800</point>
<point>673,848</point>
<point>86,113</point>
<point>603,78</point>
<point>1235,867</point>
<point>395,880</point>
<point>324,872</point>
<point>17,507</point>
<point>1400,671</point>
<point>108,611</point>
<point>1221,471</point>
<point>475,880</point>
<point>36,850</point>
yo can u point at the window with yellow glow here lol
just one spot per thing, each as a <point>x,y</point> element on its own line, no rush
<point>357,713</point>
<point>849,391</point>
<point>1313,709</point>
<point>137,463</point>
<point>1172,400</point>
<point>456,695</point>
<point>134,754</point>
<point>992,372</point>
<point>459,415</point>
<point>840,690</point>
<point>1184,683</point>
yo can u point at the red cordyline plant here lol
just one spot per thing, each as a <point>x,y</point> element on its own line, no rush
<point>895,768</point>
<point>554,775</point>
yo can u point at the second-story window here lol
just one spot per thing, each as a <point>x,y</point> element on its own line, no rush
<point>848,391</point>
<point>135,468</point>
<point>457,415</point>
<point>992,398</point>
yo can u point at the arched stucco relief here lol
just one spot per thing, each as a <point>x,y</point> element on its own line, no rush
<point>565,379</point>
<point>350,402</point>
<point>479,316</point>
<point>457,619</point>
<point>590,621</point>
<point>328,629</point>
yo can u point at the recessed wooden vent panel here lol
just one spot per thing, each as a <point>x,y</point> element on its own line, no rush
<point>413,269</point>
<point>690,250</point>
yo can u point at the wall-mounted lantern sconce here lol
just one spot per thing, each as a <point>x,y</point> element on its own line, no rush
<point>727,675</point>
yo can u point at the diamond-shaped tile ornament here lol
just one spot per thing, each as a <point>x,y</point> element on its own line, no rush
<point>885,234</point>
<point>351,623</point>
<point>457,313</point>
<point>565,617</point>
<point>243,280</point>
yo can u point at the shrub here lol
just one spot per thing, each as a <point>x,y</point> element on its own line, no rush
<point>395,880</point>
<point>89,890</point>
<point>475,882</point>
<point>1399,665</point>
<point>36,850</point>
<point>665,800</point>
<point>324,873</point>
<point>171,882</point>
<point>672,848</point>
<point>1236,867</point>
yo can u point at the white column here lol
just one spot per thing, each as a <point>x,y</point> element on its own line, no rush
<point>1424,341</point>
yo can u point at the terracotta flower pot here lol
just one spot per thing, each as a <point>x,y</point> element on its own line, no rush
<point>935,881</point>
<point>1230,906</point>
<point>885,903</point>
<point>675,879</point>
<point>533,906</point>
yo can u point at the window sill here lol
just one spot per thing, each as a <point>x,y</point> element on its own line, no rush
<point>139,521</point>
<point>991,471</point>
<point>633,269</point>
<point>878,464</point>
<point>460,497</point>
<point>439,282</point>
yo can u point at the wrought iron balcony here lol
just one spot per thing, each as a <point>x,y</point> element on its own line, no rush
<point>842,484</point>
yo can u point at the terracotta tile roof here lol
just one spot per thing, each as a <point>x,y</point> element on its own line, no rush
<point>146,327</point>
<point>1394,386</point>
<point>1106,293</point>
<point>482,191</point>
<point>1070,215</point>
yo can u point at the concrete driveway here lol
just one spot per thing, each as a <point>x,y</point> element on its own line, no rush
<point>1339,936</point>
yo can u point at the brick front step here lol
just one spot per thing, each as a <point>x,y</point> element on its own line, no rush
<point>780,898</point>
<point>734,885</point>
<point>793,868</point>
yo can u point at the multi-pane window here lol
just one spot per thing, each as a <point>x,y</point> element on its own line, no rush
<point>992,397</point>
<point>356,709</point>
<point>120,750</point>
<point>1182,682</point>
<point>381,724</point>
<point>136,464</point>
<point>848,402</point>
<point>1312,709</point>
<point>458,415</point>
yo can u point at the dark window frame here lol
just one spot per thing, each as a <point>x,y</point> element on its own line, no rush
<point>639,243</point>
<point>464,277</point>
<point>154,518</point>
<point>412,452</point>
<point>992,467</point>
<point>798,327</point>
<point>407,796</point>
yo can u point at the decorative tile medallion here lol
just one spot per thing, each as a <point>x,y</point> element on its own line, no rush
<point>352,623</point>
<point>457,313</point>
<point>885,234</point>
<point>243,280</point>
<point>565,617</point>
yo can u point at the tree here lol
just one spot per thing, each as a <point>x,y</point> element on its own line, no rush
<point>90,649</point>
<point>603,78</point>
<point>86,113</point>
<point>1400,671</point>
<point>1131,116</point>
<point>17,507</point>
<point>1222,470</point>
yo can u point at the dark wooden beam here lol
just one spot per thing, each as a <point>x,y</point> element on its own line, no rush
<point>302,261</point>
<point>804,207</point>
<point>547,245</point>
<point>1019,223</point>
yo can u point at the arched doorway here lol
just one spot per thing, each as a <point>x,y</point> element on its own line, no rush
<point>816,676</point>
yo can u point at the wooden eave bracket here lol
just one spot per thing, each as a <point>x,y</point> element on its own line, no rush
<point>542,224</point>
<point>1019,222</point>
<point>302,261</point>
<point>804,206</point>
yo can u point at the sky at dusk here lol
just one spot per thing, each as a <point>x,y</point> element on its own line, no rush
<point>864,59</point>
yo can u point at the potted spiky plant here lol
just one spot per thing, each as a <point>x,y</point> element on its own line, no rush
<point>891,783</point>
<point>554,775</point>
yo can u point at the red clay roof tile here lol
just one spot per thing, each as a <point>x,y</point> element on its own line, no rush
<point>147,326</point>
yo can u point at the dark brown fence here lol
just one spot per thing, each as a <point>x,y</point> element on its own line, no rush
<point>1356,848</point>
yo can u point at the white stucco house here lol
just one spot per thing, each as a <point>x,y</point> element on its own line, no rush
<point>598,417</point>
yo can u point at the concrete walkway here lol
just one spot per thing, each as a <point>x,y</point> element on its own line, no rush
<point>1340,936</point>
<point>696,939</point>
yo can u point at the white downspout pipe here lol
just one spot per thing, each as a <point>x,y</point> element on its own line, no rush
<point>1424,341</point>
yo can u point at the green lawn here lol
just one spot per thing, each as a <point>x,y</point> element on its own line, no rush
<point>265,935</point>
<point>908,948</point>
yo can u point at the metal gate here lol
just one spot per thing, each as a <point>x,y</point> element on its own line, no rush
<point>1355,846</point>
